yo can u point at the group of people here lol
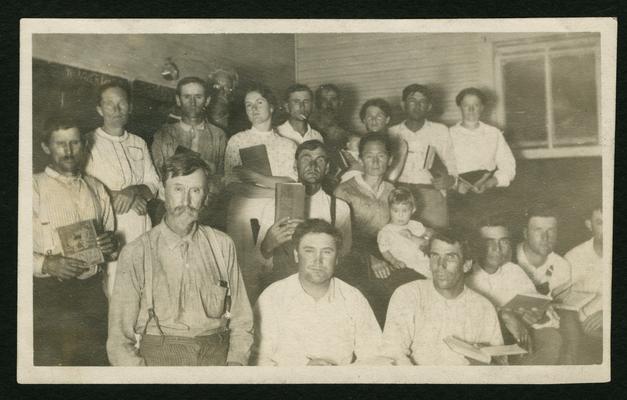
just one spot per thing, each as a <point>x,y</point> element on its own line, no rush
<point>198,271</point>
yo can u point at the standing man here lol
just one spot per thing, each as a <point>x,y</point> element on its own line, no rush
<point>299,104</point>
<point>179,297</point>
<point>500,280</point>
<point>420,133</point>
<point>122,162</point>
<point>275,238</point>
<point>223,82</point>
<point>311,317</point>
<point>423,313</point>
<point>326,117</point>
<point>69,305</point>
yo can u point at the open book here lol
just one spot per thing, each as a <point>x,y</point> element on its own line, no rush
<point>528,301</point>
<point>78,241</point>
<point>572,300</point>
<point>289,201</point>
<point>474,178</point>
<point>482,354</point>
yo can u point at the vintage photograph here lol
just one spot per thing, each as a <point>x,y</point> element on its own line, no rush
<point>386,200</point>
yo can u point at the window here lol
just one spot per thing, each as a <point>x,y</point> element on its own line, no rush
<point>549,90</point>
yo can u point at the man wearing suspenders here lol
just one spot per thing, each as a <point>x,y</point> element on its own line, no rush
<point>274,240</point>
<point>69,306</point>
<point>179,297</point>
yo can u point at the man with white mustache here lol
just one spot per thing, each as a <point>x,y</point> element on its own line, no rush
<point>179,297</point>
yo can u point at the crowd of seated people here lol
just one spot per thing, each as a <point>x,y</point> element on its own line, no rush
<point>182,260</point>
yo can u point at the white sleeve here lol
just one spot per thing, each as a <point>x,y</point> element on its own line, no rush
<point>368,337</point>
<point>267,329</point>
<point>150,178</point>
<point>505,162</point>
<point>399,323</point>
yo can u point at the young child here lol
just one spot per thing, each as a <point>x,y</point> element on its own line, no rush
<point>402,240</point>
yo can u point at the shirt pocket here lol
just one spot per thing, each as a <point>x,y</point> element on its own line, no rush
<point>136,159</point>
<point>213,298</point>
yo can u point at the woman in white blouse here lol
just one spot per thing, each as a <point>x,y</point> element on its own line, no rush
<point>250,190</point>
<point>479,146</point>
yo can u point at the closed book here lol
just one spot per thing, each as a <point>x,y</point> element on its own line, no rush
<point>434,163</point>
<point>528,301</point>
<point>255,158</point>
<point>473,178</point>
<point>289,201</point>
<point>78,241</point>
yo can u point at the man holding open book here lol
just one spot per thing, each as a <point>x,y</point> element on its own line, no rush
<point>72,235</point>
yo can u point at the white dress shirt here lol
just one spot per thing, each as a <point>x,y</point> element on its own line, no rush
<point>503,285</point>
<point>587,271</point>
<point>292,327</point>
<point>419,318</point>
<point>560,271</point>
<point>483,148</point>
<point>431,134</point>
<point>287,131</point>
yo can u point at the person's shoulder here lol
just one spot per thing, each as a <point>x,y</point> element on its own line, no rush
<point>136,246</point>
<point>478,299</point>
<point>347,290</point>
<point>220,236</point>
<point>215,129</point>
<point>416,225</point>
<point>387,186</point>
<point>437,126</point>
<point>279,289</point>
<point>345,186</point>
<point>412,289</point>
<point>490,129</point>
<point>577,251</point>
<point>558,260</point>
<point>94,182</point>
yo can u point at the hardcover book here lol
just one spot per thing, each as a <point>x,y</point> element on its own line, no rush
<point>78,241</point>
<point>289,201</point>
<point>256,159</point>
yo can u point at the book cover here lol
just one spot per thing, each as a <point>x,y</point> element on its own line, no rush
<point>482,354</point>
<point>289,201</point>
<point>527,302</point>
<point>434,163</point>
<point>574,300</point>
<point>78,241</point>
<point>256,159</point>
<point>473,178</point>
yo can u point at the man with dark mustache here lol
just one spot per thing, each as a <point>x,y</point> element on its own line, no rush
<point>69,305</point>
<point>179,297</point>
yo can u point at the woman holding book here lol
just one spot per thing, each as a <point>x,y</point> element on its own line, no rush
<point>481,152</point>
<point>268,159</point>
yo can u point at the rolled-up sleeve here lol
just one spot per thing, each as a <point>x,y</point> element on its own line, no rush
<point>124,308</point>
<point>241,337</point>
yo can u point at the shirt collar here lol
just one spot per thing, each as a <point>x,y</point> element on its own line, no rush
<point>172,240</point>
<point>101,133</point>
<point>478,131</point>
<point>68,180</point>
<point>256,131</point>
<point>186,128</point>
<point>329,296</point>
<point>289,126</point>
<point>425,125</point>
<point>521,256</point>
<point>360,181</point>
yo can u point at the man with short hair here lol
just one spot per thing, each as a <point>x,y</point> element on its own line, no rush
<point>325,119</point>
<point>193,132</point>
<point>122,162</point>
<point>311,317</point>
<point>275,244</point>
<point>179,297</point>
<point>69,306</point>
<point>423,313</point>
<point>223,82</point>
<point>586,261</point>
<point>299,104</point>
<point>549,272</point>
<point>500,280</point>
<point>420,134</point>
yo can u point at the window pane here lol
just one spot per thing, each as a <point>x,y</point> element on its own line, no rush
<point>574,99</point>
<point>525,102</point>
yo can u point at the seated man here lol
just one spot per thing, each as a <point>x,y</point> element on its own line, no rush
<point>499,280</point>
<point>311,317</point>
<point>69,304</point>
<point>274,241</point>
<point>179,297</point>
<point>423,313</point>
<point>586,261</point>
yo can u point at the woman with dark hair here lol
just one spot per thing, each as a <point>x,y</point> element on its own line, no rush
<point>480,147</point>
<point>251,190</point>
<point>376,114</point>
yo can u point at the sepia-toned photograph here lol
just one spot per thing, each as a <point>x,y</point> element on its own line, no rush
<point>234,201</point>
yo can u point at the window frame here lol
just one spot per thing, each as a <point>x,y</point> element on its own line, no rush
<point>546,48</point>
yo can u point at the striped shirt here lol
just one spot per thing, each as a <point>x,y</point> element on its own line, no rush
<point>59,200</point>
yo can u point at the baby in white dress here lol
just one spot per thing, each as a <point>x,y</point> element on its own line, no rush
<point>402,241</point>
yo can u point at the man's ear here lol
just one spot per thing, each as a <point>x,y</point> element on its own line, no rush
<point>525,233</point>
<point>467,265</point>
<point>387,121</point>
<point>296,256</point>
<point>99,109</point>
<point>45,148</point>
<point>589,224</point>
<point>207,101</point>
<point>430,107</point>
<point>178,100</point>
